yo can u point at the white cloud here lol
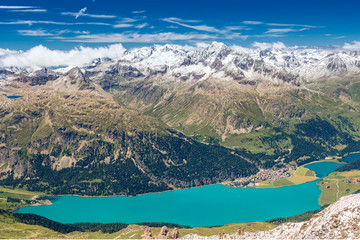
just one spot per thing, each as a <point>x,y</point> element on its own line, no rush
<point>181,20</point>
<point>235,28</point>
<point>76,15</point>
<point>128,20</point>
<point>278,24</point>
<point>285,30</point>
<point>44,33</point>
<point>266,35</point>
<point>202,44</point>
<point>81,12</point>
<point>29,10</point>
<point>140,26</point>
<point>81,32</point>
<point>138,38</point>
<point>236,36</point>
<point>196,27</point>
<point>123,25</point>
<point>39,32</point>
<point>252,22</point>
<point>264,45</point>
<point>333,36</point>
<point>138,12</point>
<point>41,56</point>
<point>4,52</point>
<point>15,7</point>
<point>355,45</point>
<point>289,25</point>
<point>238,48</point>
<point>31,22</point>
<point>99,15</point>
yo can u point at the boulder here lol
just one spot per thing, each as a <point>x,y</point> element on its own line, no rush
<point>147,234</point>
<point>163,233</point>
<point>240,231</point>
<point>174,234</point>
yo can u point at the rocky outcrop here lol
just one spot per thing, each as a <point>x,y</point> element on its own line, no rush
<point>174,234</point>
<point>240,231</point>
<point>164,234</point>
<point>147,234</point>
<point>36,80</point>
<point>74,80</point>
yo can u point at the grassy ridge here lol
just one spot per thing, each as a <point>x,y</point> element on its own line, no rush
<point>12,227</point>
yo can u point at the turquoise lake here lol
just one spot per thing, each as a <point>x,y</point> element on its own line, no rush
<point>351,157</point>
<point>202,206</point>
<point>14,97</point>
<point>322,169</point>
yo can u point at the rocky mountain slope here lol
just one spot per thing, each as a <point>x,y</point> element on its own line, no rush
<point>340,220</point>
<point>70,136</point>
<point>240,98</point>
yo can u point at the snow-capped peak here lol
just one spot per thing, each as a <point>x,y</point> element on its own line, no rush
<point>217,60</point>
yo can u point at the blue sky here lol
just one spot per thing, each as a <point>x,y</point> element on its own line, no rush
<point>68,24</point>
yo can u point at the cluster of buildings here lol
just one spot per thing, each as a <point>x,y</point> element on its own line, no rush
<point>264,175</point>
<point>349,180</point>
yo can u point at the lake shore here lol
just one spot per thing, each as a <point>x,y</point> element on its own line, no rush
<point>206,206</point>
<point>334,159</point>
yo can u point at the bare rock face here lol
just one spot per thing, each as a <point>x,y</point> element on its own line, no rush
<point>339,221</point>
<point>74,80</point>
<point>147,234</point>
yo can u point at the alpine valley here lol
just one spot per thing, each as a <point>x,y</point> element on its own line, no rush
<point>168,117</point>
